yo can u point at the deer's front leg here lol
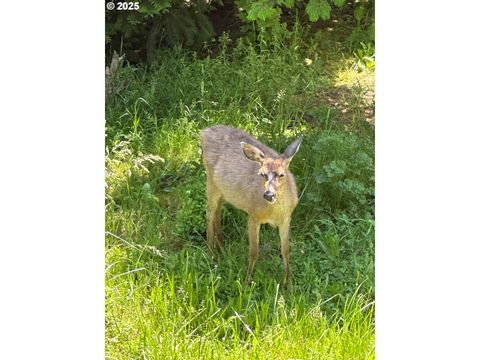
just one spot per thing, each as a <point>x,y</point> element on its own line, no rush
<point>253,240</point>
<point>214,208</point>
<point>284,230</point>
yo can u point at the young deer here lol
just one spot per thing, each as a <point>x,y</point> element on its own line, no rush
<point>252,177</point>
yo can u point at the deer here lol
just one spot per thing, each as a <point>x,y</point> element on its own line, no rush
<point>242,171</point>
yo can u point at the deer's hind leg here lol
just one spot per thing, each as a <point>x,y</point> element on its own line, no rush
<point>214,211</point>
<point>218,222</point>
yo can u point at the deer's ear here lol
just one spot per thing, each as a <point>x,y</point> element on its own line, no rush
<point>253,153</point>
<point>292,149</point>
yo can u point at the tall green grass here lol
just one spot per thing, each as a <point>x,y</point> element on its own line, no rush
<point>181,306</point>
<point>166,296</point>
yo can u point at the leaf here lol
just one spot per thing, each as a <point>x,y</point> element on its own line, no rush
<point>289,3</point>
<point>160,5</point>
<point>261,10</point>
<point>338,3</point>
<point>155,7</point>
<point>359,13</point>
<point>146,188</point>
<point>318,9</point>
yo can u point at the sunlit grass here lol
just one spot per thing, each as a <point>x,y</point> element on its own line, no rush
<point>157,313</point>
<point>349,76</point>
<point>178,142</point>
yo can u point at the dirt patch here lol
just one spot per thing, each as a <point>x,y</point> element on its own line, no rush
<point>353,103</point>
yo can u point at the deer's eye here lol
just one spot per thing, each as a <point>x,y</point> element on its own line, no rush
<point>281,175</point>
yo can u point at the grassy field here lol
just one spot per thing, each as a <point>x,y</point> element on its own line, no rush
<point>166,296</point>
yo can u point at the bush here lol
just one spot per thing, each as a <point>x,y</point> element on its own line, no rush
<point>339,170</point>
<point>158,23</point>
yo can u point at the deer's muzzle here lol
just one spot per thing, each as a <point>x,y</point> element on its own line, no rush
<point>269,196</point>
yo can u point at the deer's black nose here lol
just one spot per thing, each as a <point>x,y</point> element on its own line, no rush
<point>269,196</point>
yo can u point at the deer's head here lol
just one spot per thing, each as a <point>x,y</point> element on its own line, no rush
<point>273,170</point>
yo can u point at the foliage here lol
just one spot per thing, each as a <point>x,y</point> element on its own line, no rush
<point>341,174</point>
<point>191,213</point>
<point>343,248</point>
<point>159,22</point>
<point>170,23</point>
<point>267,13</point>
<point>364,30</point>
<point>365,57</point>
<point>318,9</point>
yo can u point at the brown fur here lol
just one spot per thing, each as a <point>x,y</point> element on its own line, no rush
<point>242,182</point>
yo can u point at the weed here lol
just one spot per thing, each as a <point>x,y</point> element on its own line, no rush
<point>191,213</point>
<point>365,57</point>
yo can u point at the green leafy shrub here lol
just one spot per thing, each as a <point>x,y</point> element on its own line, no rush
<point>363,17</point>
<point>158,23</point>
<point>340,170</point>
<point>268,13</point>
